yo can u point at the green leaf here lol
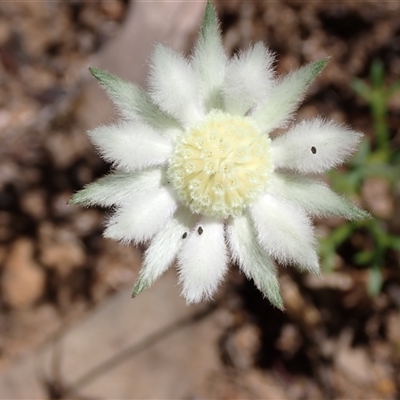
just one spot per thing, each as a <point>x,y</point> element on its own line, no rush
<point>393,89</point>
<point>362,89</point>
<point>380,235</point>
<point>347,183</point>
<point>379,156</point>
<point>389,172</point>
<point>395,243</point>
<point>377,73</point>
<point>375,280</point>
<point>328,261</point>
<point>362,154</point>
<point>329,244</point>
<point>364,257</point>
<point>341,233</point>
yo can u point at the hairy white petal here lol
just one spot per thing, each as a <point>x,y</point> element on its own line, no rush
<point>314,197</point>
<point>314,146</point>
<point>285,97</point>
<point>202,261</point>
<point>209,60</point>
<point>134,103</point>
<point>118,187</point>
<point>174,86</point>
<point>252,260</point>
<point>248,79</point>
<point>142,217</point>
<point>285,232</point>
<point>164,248</point>
<point>131,145</point>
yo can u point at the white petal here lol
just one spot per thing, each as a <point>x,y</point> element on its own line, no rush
<point>314,197</point>
<point>202,261</point>
<point>118,187</point>
<point>164,248</point>
<point>131,145</point>
<point>142,217</point>
<point>209,60</point>
<point>285,97</point>
<point>134,103</point>
<point>252,259</point>
<point>285,232</point>
<point>248,79</point>
<point>174,86</point>
<point>314,146</point>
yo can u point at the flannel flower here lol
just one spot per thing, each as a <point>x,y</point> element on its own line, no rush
<point>198,177</point>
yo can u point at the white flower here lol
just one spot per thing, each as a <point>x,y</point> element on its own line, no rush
<point>198,176</point>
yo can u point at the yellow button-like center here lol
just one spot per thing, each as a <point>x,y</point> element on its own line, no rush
<point>220,166</point>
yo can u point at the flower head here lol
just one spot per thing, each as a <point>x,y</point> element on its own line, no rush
<point>198,177</point>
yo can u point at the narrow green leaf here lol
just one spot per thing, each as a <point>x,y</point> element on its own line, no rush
<point>362,154</point>
<point>395,243</point>
<point>328,262</point>
<point>341,233</point>
<point>377,73</point>
<point>393,89</point>
<point>362,89</point>
<point>375,280</point>
<point>364,257</point>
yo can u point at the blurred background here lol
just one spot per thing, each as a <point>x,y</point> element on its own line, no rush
<point>68,327</point>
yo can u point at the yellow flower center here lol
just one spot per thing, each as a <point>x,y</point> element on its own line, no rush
<point>220,166</point>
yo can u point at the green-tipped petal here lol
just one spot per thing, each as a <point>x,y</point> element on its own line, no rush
<point>253,260</point>
<point>315,197</point>
<point>286,96</point>
<point>210,21</point>
<point>133,102</point>
<point>115,188</point>
<point>140,285</point>
<point>209,60</point>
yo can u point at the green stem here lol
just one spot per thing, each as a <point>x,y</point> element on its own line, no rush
<point>379,112</point>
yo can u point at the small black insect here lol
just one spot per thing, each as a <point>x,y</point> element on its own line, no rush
<point>184,236</point>
<point>200,230</point>
<point>313,150</point>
